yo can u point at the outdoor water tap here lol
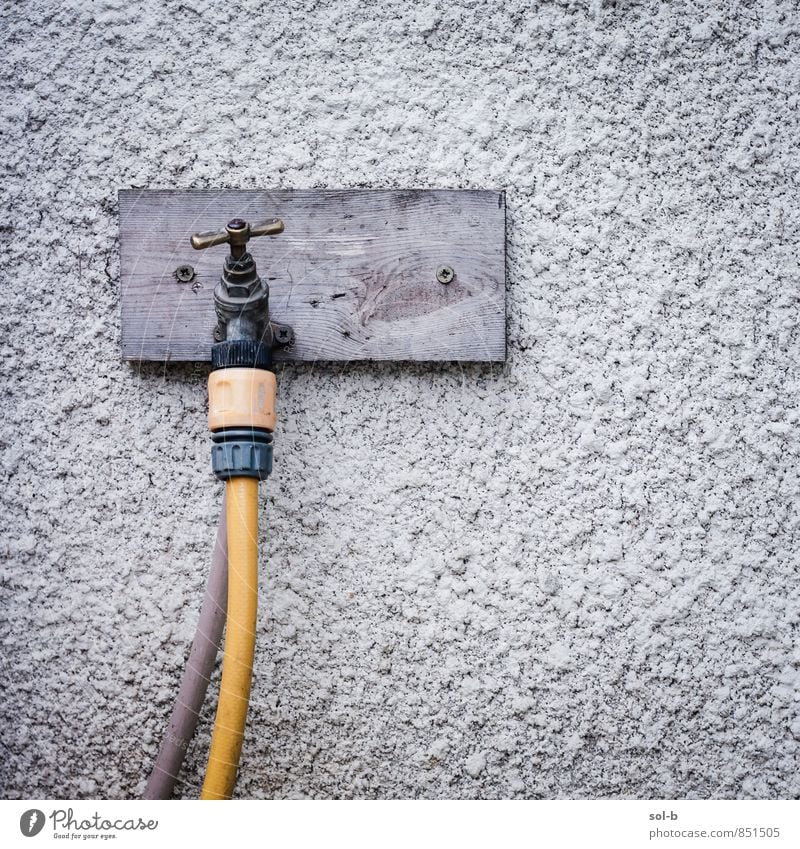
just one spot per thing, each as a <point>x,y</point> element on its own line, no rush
<point>242,385</point>
<point>245,335</point>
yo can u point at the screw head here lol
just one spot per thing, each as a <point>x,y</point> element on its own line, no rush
<point>283,335</point>
<point>445,274</point>
<point>184,274</point>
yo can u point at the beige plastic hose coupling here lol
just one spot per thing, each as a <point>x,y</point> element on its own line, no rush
<point>242,398</point>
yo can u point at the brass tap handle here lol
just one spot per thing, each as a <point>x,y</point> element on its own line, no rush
<point>273,227</point>
<point>237,233</point>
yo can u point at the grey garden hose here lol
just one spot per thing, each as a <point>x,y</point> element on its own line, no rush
<point>198,670</point>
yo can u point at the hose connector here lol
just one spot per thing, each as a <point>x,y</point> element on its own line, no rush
<point>241,417</point>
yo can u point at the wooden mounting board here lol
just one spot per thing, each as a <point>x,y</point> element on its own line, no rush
<point>354,273</point>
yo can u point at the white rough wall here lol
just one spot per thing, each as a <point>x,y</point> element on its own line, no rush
<point>575,575</point>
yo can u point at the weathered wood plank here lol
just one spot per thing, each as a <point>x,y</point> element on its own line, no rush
<point>354,272</point>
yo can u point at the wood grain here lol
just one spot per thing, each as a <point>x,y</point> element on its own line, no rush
<point>354,272</point>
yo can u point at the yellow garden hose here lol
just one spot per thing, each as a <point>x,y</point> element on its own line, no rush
<point>240,639</point>
<point>241,416</point>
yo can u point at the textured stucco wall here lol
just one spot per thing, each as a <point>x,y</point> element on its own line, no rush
<point>574,575</point>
